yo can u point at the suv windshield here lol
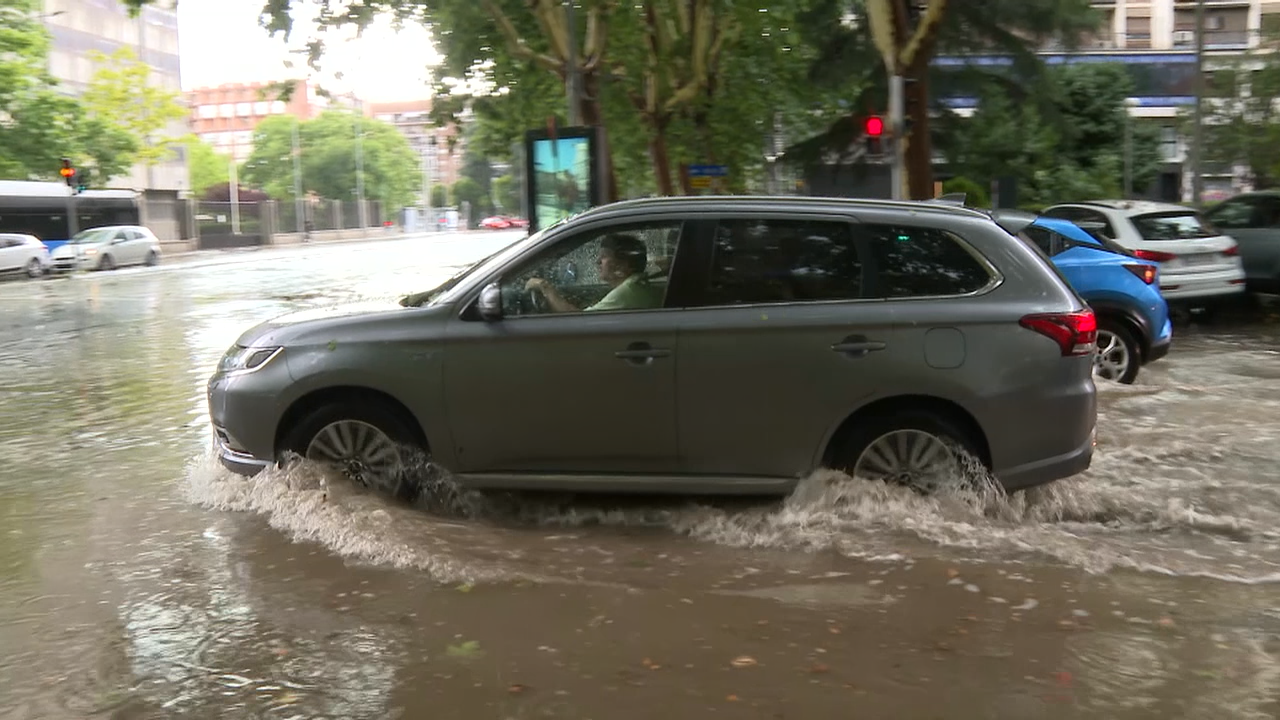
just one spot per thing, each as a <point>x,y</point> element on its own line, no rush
<point>438,293</point>
<point>1175,225</point>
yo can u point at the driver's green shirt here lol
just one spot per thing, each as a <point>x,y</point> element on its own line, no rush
<point>634,293</point>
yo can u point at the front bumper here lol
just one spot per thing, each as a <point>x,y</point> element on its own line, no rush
<point>240,463</point>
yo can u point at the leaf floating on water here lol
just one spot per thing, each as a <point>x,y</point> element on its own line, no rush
<point>466,651</point>
<point>731,698</point>
<point>333,345</point>
<point>465,588</point>
<point>952,572</point>
<point>743,661</point>
<point>516,688</point>
<point>287,698</point>
<point>819,668</point>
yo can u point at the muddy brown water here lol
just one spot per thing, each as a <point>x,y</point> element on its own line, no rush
<point>138,580</point>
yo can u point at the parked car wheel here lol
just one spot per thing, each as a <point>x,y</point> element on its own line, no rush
<point>34,268</point>
<point>916,448</point>
<point>1118,357</point>
<point>153,258</point>
<point>107,263</point>
<point>367,442</point>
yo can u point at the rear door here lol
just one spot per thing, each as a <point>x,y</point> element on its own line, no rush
<point>1254,222</point>
<point>780,341</point>
<point>12,255</point>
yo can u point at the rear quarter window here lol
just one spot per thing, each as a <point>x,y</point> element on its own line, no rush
<point>922,262</point>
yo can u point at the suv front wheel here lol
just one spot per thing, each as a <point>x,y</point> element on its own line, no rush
<point>367,442</point>
<point>916,448</point>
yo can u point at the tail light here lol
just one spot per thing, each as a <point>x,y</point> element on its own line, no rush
<point>1154,255</point>
<point>1232,251</point>
<point>1076,333</point>
<point>1146,273</point>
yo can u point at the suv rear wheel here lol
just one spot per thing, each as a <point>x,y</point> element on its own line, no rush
<point>367,442</point>
<point>1118,357</point>
<point>917,448</point>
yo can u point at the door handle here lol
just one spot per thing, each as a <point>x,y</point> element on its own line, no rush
<point>857,346</point>
<point>641,353</point>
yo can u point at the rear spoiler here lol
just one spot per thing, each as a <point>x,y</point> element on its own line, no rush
<point>1013,221</point>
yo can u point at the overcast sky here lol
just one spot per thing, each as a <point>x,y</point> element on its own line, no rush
<point>221,42</point>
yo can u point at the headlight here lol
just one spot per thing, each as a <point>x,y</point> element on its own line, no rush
<point>242,359</point>
<point>91,251</point>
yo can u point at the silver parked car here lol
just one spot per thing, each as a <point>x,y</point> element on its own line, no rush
<point>1253,220</point>
<point>706,344</point>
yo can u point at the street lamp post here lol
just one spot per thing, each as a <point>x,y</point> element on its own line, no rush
<point>1197,144</point>
<point>361,211</point>
<point>298,208</point>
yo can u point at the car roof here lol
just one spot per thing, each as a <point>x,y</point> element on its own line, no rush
<point>779,203</point>
<point>1134,207</point>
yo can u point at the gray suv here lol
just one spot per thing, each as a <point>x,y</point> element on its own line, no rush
<point>700,345</point>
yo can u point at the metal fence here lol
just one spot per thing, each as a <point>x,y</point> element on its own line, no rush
<point>209,224</point>
<point>218,226</point>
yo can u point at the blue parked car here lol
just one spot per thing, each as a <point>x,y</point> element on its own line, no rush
<point>1134,327</point>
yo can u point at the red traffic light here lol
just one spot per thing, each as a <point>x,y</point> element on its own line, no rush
<point>874,126</point>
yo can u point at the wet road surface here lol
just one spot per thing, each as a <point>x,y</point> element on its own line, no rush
<point>138,580</point>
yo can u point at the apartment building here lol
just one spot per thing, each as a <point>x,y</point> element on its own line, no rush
<point>226,115</point>
<point>440,164</point>
<point>78,28</point>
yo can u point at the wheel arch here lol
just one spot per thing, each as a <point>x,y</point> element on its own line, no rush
<point>888,406</point>
<point>354,394</point>
<point>1130,318</point>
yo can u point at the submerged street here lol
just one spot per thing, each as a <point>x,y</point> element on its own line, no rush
<point>138,579</point>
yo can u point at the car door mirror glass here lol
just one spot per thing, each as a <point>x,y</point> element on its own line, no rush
<point>489,304</point>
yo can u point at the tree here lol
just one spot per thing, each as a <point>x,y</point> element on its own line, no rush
<point>1241,121</point>
<point>120,95</point>
<point>506,194</point>
<point>327,147</point>
<point>206,166</point>
<point>439,196</point>
<point>467,190</point>
<point>905,38</point>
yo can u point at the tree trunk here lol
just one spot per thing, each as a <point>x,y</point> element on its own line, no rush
<point>919,159</point>
<point>592,113</point>
<point>658,154</point>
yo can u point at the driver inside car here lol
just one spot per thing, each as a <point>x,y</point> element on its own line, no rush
<point>622,261</point>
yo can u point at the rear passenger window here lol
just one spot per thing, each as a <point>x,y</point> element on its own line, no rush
<point>778,261</point>
<point>922,262</point>
<point>1042,239</point>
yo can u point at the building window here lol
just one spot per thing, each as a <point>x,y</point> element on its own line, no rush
<point>261,108</point>
<point>208,111</point>
<point>277,107</point>
<point>244,109</point>
<point>226,110</point>
<point>1168,142</point>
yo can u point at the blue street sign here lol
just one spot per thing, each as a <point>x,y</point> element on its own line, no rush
<point>708,170</point>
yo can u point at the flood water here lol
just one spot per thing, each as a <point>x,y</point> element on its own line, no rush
<point>139,580</point>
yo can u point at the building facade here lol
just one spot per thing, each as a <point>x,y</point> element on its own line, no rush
<point>79,28</point>
<point>439,163</point>
<point>225,116</point>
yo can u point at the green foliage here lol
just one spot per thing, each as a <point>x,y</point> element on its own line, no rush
<point>467,190</point>
<point>205,165</point>
<point>506,194</point>
<point>975,195</point>
<point>328,158</point>
<point>1064,142</point>
<point>1242,124</point>
<point>120,96</point>
<point>439,196</point>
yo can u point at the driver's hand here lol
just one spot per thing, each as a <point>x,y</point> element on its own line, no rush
<point>538,284</point>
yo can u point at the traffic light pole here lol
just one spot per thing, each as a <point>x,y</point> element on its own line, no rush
<point>897,103</point>
<point>73,226</point>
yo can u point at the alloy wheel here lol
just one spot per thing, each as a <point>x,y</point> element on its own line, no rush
<point>361,451</point>
<point>914,458</point>
<point>1112,359</point>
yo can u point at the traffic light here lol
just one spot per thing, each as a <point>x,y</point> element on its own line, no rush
<point>873,132</point>
<point>68,172</point>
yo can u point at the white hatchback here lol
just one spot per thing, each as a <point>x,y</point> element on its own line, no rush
<point>23,253</point>
<point>107,248</point>
<point>1196,261</point>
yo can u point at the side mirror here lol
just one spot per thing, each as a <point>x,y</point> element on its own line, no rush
<point>490,302</point>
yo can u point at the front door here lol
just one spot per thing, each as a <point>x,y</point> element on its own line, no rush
<point>579,374</point>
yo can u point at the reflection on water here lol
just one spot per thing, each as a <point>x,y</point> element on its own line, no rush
<point>138,579</point>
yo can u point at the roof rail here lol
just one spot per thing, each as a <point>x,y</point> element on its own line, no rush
<point>801,199</point>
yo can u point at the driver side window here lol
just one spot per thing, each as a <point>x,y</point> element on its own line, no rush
<point>616,268</point>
